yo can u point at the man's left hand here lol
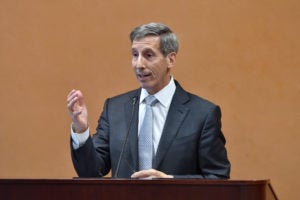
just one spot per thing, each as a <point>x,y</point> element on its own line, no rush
<point>149,174</point>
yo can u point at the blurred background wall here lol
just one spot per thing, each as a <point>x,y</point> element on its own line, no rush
<point>242,55</point>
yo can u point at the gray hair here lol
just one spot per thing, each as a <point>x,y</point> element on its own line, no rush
<point>168,40</point>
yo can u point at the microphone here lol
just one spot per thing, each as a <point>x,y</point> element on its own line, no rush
<point>134,100</point>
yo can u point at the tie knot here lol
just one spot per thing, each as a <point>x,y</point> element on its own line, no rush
<point>151,100</point>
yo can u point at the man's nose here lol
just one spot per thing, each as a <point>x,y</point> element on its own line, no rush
<point>140,62</point>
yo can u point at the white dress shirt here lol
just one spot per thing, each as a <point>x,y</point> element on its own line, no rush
<point>160,110</point>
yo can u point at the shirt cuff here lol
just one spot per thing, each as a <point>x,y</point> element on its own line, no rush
<point>79,140</point>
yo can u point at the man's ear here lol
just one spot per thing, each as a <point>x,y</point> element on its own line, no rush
<point>171,59</point>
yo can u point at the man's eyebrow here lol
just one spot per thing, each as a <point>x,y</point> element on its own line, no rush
<point>147,50</point>
<point>143,50</point>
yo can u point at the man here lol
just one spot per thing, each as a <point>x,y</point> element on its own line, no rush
<point>186,137</point>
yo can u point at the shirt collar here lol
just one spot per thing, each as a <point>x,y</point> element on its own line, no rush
<point>164,96</point>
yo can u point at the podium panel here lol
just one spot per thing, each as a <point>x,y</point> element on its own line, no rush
<point>135,189</point>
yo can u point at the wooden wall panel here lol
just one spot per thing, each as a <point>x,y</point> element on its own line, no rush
<point>242,55</point>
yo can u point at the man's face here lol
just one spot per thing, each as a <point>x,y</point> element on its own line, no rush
<point>152,69</point>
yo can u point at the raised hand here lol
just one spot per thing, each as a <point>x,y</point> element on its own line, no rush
<point>78,111</point>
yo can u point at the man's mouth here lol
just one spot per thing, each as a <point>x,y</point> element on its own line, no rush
<point>144,75</point>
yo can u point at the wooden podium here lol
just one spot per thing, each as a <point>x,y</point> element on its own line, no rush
<point>134,189</point>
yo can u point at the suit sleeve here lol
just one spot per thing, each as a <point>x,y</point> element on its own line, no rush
<point>213,159</point>
<point>93,158</point>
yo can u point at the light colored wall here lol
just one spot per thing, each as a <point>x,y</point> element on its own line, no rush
<point>242,55</point>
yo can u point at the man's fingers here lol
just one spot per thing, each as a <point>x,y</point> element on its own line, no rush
<point>72,95</point>
<point>72,91</point>
<point>71,102</point>
<point>75,95</point>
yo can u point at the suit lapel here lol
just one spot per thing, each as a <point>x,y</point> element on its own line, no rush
<point>132,141</point>
<point>176,115</point>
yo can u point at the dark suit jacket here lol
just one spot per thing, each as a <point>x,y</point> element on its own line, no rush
<point>191,145</point>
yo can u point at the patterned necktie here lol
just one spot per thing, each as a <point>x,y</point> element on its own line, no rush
<point>145,136</point>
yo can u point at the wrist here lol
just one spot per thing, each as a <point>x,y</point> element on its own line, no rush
<point>79,129</point>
